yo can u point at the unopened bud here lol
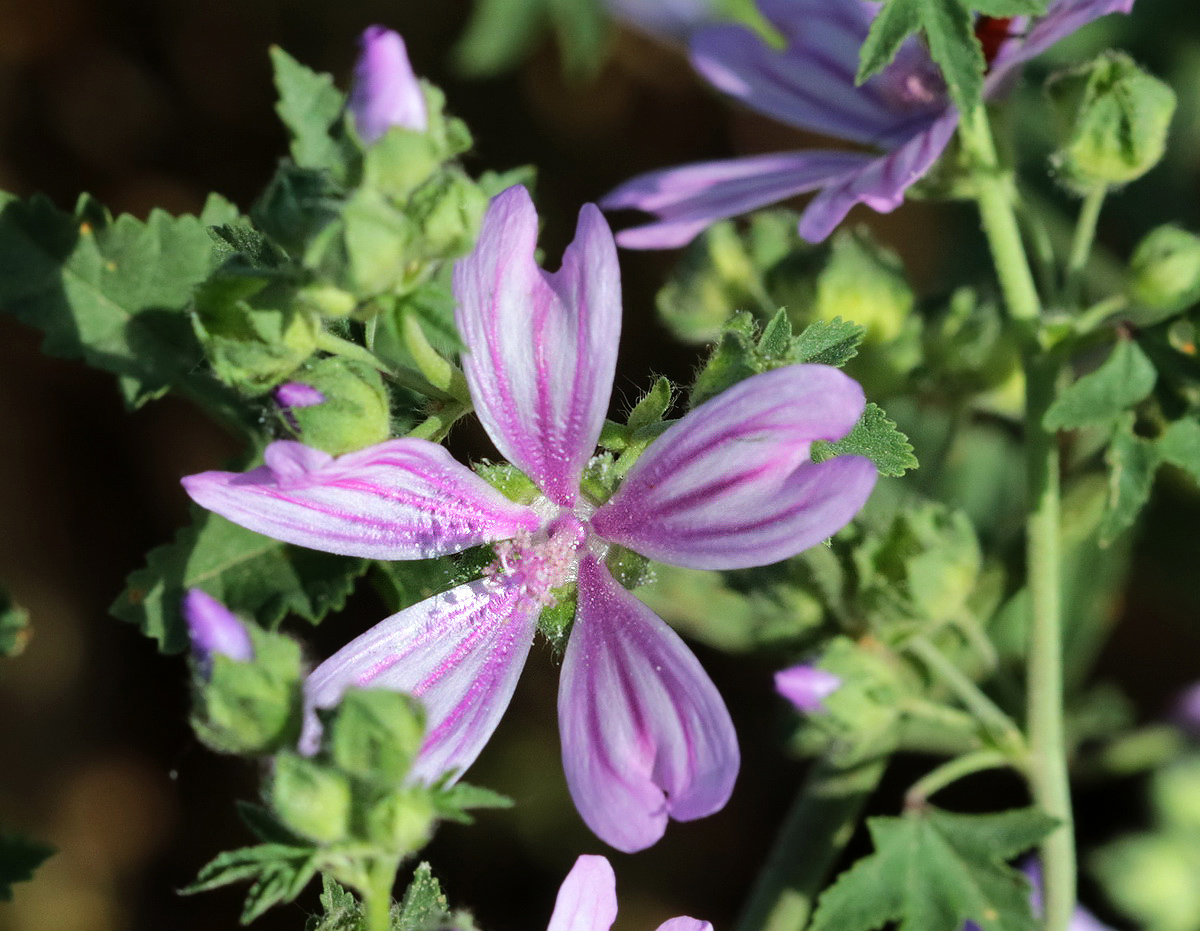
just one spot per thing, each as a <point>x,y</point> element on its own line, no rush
<point>386,92</point>
<point>343,406</point>
<point>1165,273</point>
<point>864,283</point>
<point>1116,117</point>
<point>312,799</point>
<point>806,686</point>
<point>214,630</point>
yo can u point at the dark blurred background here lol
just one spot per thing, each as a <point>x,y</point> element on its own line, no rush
<point>149,103</point>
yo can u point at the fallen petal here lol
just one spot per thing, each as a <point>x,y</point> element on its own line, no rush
<point>645,734</point>
<point>402,499</point>
<point>461,653</point>
<point>732,484</point>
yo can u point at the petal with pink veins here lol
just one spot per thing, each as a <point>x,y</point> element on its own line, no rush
<point>401,499</point>
<point>645,734</point>
<point>732,484</point>
<point>542,348</point>
<point>460,652</point>
<point>587,898</point>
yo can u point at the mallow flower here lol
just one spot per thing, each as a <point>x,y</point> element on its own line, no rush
<point>386,93</point>
<point>902,119</point>
<point>214,630</point>
<point>587,901</point>
<point>807,686</point>
<point>645,735</point>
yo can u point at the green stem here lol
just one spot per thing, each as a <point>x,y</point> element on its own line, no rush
<point>1002,728</point>
<point>1081,244</point>
<point>435,427</point>
<point>377,896</point>
<point>1099,312</point>
<point>951,771</point>
<point>1047,765</point>
<point>815,830</point>
<point>335,345</point>
<point>442,374</point>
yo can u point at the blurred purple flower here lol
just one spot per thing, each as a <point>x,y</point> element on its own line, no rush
<point>214,630</point>
<point>1081,918</point>
<point>587,901</point>
<point>386,93</point>
<point>1186,712</point>
<point>903,113</point>
<point>298,394</point>
<point>806,686</point>
<point>645,734</point>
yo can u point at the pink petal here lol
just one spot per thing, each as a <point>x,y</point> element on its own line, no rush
<point>685,924</point>
<point>732,485</point>
<point>690,198</point>
<point>542,347</point>
<point>645,734</point>
<point>587,899</point>
<point>386,92</point>
<point>401,499</point>
<point>460,652</point>
<point>881,183</point>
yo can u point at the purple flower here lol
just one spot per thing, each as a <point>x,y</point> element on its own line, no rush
<point>587,901</point>
<point>214,629</point>
<point>386,92</point>
<point>645,734</point>
<point>1186,711</point>
<point>806,686</point>
<point>298,394</point>
<point>903,113</point>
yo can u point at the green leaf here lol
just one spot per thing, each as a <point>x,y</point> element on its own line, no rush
<point>1132,462</point>
<point>1126,377</point>
<point>309,105</point>
<point>949,29</point>
<point>934,870</point>
<point>246,571</point>
<point>498,35</point>
<point>455,801</point>
<point>424,906</point>
<point>877,438</point>
<point>341,909</point>
<point>279,874</point>
<point>1179,445</point>
<point>19,857</point>
<point>581,27</point>
<point>14,626</point>
<point>828,342</point>
<point>110,292</point>
<point>653,405</point>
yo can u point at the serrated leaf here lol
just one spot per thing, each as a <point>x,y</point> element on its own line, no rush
<point>244,570</point>
<point>934,870</point>
<point>1132,462</point>
<point>279,874</point>
<point>14,626</point>
<point>423,906</point>
<point>949,29</point>
<point>19,857</point>
<point>110,292</point>
<point>309,105</point>
<point>877,438</point>
<point>1126,378</point>
<point>341,909</point>
<point>827,342</point>
<point>776,337</point>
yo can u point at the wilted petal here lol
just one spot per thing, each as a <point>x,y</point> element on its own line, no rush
<point>693,197</point>
<point>810,83</point>
<point>685,924</point>
<point>214,630</point>
<point>386,92</point>
<point>732,485</point>
<point>881,183</point>
<point>402,499</point>
<point>542,347</point>
<point>587,899</point>
<point>645,734</point>
<point>807,686</point>
<point>460,652</point>
<point>1062,18</point>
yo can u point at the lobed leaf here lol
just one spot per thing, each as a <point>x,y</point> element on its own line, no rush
<point>1126,378</point>
<point>309,105</point>
<point>877,438</point>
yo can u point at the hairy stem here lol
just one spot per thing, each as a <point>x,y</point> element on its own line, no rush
<point>1048,765</point>
<point>377,897</point>
<point>1081,244</point>
<point>814,832</point>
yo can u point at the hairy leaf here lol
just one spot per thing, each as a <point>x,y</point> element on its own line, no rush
<point>112,292</point>
<point>279,874</point>
<point>1126,377</point>
<point>877,438</point>
<point>934,870</point>
<point>309,105</point>
<point>245,570</point>
<point>828,342</point>
<point>341,909</point>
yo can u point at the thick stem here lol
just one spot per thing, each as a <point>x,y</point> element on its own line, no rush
<point>1048,767</point>
<point>377,897</point>
<point>814,832</point>
<point>1081,244</point>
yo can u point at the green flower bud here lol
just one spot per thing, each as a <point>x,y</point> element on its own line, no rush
<point>252,330</point>
<point>402,821</point>
<point>379,240</point>
<point>1176,793</point>
<point>864,283</point>
<point>1152,878</point>
<point>1165,273</point>
<point>375,735</point>
<point>448,211</point>
<point>311,798</point>
<point>253,706</point>
<point>1115,118</point>
<point>326,300</point>
<point>353,414</point>
<point>401,161</point>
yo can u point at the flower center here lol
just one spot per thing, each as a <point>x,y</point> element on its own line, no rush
<point>537,563</point>
<point>913,82</point>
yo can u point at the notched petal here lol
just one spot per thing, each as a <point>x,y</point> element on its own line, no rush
<point>587,899</point>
